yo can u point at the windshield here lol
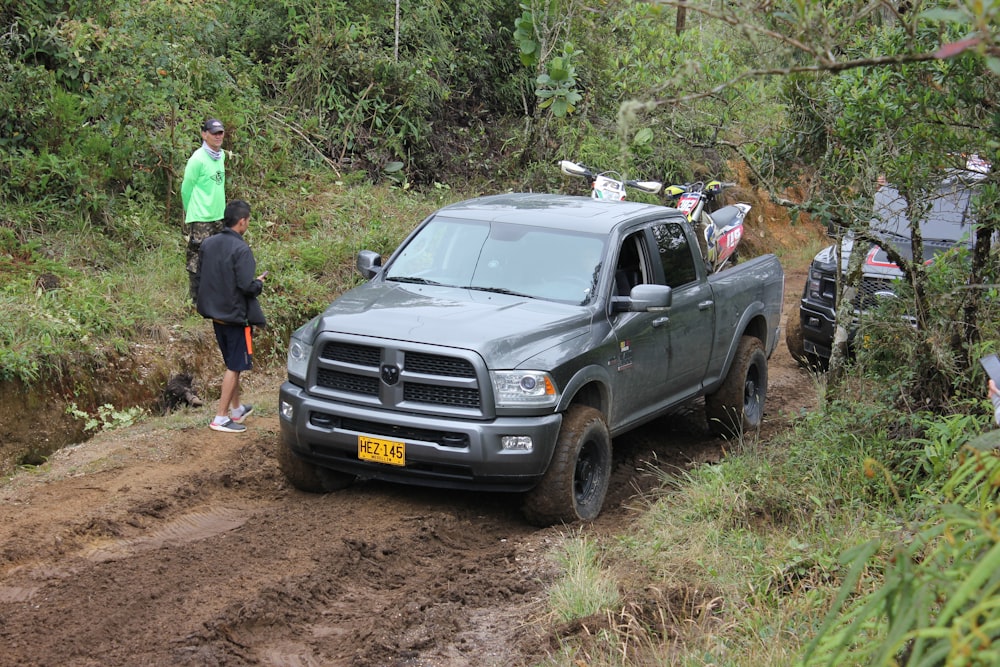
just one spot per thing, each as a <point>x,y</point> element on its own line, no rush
<point>947,219</point>
<point>553,264</point>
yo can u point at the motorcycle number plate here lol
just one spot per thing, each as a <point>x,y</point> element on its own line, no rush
<point>609,188</point>
<point>378,450</point>
<point>686,203</point>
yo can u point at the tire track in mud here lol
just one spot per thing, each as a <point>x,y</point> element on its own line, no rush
<point>189,527</point>
<point>377,597</point>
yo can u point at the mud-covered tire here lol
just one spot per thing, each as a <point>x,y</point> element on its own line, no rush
<point>738,405</point>
<point>793,337</point>
<point>308,477</point>
<point>576,482</point>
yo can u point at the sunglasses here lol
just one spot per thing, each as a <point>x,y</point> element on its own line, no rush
<point>215,134</point>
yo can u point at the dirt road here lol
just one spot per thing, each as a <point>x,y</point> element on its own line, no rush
<point>167,545</point>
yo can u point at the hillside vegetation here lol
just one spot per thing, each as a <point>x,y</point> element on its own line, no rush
<point>348,121</point>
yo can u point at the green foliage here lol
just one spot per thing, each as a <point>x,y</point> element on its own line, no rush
<point>934,363</point>
<point>557,87</point>
<point>107,417</point>
<point>524,34</point>
<point>934,601</point>
<point>584,588</point>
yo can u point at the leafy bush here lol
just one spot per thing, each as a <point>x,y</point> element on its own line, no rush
<point>934,601</point>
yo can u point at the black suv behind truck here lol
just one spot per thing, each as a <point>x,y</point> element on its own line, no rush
<point>809,332</point>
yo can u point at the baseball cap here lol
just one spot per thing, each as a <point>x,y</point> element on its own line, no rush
<point>212,126</point>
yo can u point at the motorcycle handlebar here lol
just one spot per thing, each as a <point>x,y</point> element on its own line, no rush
<point>652,187</point>
<point>573,169</point>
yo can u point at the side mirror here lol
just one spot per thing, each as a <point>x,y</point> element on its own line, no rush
<point>651,297</point>
<point>369,262</point>
<point>642,299</point>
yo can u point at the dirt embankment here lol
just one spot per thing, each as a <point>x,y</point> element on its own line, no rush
<point>175,545</point>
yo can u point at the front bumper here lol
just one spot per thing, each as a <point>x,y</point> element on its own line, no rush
<point>817,325</point>
<point>441,452</point>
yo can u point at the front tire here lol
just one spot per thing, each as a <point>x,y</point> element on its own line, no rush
<point>794,339</point>
<point>797,347</point>
<point>308,477</point>
<point>576,482</point>
<point>738,405</point>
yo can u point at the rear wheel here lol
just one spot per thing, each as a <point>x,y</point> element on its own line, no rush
<point>576,482</point>
<point>308,477</point>
<point>738,405</point>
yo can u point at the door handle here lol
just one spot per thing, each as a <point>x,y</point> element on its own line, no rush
<point>705,305</point>
<point>660,321</point>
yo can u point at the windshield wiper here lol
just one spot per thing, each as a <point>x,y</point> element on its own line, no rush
<point>412,279</point>
<point>499,290</point>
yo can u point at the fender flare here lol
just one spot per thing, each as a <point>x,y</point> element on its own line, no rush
<point>753,322</point>
<point>591,374</point>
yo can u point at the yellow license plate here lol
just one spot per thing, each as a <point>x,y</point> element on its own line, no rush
<point>381,451</point>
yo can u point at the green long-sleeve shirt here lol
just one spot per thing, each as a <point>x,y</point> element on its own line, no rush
<point>203,188</point>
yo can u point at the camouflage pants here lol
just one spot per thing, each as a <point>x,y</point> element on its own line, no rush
<point>197,232</point>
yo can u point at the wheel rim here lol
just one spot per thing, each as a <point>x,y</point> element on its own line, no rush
<point>585,476</point>
<point>751,394</point>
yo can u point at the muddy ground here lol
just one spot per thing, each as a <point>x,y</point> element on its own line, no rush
<point>169,544</point>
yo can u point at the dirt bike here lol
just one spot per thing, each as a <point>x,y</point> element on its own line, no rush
<point>722,229</point>
<point>608,185</point>
<point>719,232</point>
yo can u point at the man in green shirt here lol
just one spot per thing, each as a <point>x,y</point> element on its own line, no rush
<point>203,194</point>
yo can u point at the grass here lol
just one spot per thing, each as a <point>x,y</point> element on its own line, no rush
<point>791,552</point>
<point>737,563</point>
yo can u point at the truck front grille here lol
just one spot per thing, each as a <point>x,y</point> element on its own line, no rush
<point>399,378</point>
<point>429,393</point>
<point>354,384</point>
<point>869,292</point>
<point>362,355</point>
<point>435,364</point>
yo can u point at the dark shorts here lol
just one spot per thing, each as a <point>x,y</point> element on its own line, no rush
<point>232,341</point>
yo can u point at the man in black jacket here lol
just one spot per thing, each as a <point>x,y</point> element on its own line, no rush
<point>227,294</point>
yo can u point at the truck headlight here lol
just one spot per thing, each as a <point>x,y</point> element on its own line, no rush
<point>815,284</point>
<point>524,389</point>
<point>299,352</point>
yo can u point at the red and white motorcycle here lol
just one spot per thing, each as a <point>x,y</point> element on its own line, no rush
<point>721,229</point>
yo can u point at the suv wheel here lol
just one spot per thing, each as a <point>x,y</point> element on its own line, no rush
<point>576,482</point>
<point>738,405</point>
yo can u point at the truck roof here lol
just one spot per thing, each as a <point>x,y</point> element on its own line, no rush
<point>552,211</point>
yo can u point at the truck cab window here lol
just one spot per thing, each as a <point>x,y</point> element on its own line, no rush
<point>631,269</point>
<point>675,254</point>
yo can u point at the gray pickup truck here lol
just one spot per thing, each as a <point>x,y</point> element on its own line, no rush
<point>510,337</point>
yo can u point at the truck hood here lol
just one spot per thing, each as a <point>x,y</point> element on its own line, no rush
<point>876,261</point>
<point>505,330</point>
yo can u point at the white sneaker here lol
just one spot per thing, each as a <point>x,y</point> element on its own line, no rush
<point>247,411</point>
<point>228,426</point>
